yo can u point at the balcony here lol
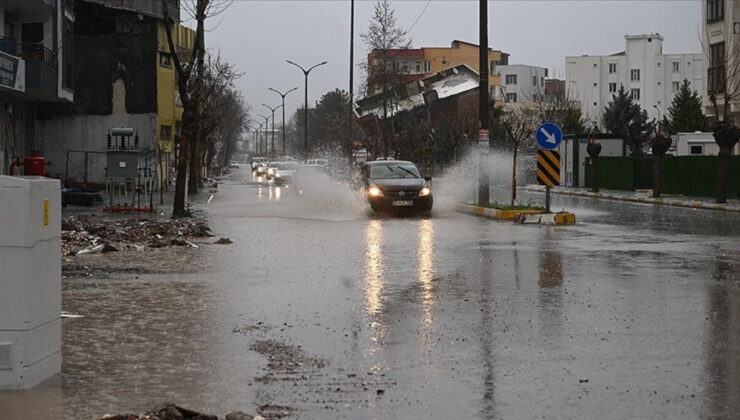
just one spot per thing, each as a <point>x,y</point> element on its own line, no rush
<point>41,72</point>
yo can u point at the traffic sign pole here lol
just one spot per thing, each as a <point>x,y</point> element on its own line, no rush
<point>548,136</point>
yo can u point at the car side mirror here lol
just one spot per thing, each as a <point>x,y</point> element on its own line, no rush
<point>427,178</point>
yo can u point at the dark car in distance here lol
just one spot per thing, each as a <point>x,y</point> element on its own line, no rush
<point>396,185</point>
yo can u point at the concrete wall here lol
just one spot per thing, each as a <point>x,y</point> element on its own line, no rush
<point>88,133</point>
<point>684,141</point>
<point>723,31</point>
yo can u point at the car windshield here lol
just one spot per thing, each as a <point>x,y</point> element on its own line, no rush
<point>394,170</point>
<point>286,166</point>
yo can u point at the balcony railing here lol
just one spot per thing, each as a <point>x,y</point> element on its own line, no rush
<point>37,52</point>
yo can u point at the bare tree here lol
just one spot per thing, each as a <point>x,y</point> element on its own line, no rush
<point>519,123</point>
<point>187,65</point>
<point>723,80</point>
<point>386,41</point>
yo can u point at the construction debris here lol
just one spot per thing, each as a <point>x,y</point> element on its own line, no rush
<point>86,234</point>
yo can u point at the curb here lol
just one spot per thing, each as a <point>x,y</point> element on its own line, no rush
<point>519,216</point>
<point>645,200</point>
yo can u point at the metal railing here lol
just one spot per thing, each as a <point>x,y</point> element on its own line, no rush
<point>37,52</point>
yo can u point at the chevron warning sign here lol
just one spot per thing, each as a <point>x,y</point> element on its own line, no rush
<point>548,167</point>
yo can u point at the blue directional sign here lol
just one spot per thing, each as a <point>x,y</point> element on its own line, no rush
<point>549,136</point>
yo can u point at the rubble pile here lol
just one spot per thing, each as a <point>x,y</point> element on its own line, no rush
<point>87,234</point>
<point>170,411</point>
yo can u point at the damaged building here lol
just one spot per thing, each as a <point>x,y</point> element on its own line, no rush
<point>430,120</point>
<point>127,80</point>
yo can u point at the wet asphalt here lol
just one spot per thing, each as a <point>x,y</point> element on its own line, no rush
<point>320,309</point>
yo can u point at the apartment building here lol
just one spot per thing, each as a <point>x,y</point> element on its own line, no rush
<point>646,72</point>
<point>36,69</point>
<point>521,83</point>
<point>128,80</point>
<point>721,42</point>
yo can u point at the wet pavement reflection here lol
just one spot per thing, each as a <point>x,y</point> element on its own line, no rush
<point>327,311</point>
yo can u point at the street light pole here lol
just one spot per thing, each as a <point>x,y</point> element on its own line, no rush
<point>272,110</point>
<point>282,96</point>
<point>266,119</point>
<point>305,109</point>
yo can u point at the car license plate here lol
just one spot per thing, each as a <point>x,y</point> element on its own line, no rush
<point>402,203</point>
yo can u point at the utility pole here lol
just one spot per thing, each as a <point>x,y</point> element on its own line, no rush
<point>305,110</point>
<point>483,142</point>
<point>264,151</point>
<point>351,82</point>
<point>282,96</point>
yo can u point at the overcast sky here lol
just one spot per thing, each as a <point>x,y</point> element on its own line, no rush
<point>258,36</point>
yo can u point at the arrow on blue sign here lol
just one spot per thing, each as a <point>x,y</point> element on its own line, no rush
<point>549,136</point>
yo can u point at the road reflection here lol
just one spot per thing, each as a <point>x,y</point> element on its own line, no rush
<point>425,268</point>
<point>374,282</point>
<point>722,358</point>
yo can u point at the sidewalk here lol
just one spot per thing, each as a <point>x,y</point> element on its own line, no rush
<point>642,196</point>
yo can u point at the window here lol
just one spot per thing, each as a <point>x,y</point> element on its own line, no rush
<point>715,10</point>
<point>165,132</point>
<point>635,75</point>
<point>534,80</point>
<point>417,66</point>
<point>716,71</point>
<point>542,81</point>
<point>405,67</point>
<point>675,86</point>
<point>635,93</point>
<point>511,79</point>
<point>427,66</point>
<point>165,60</point>
<point>493,67</point>
<point>595,84</point>
<point>511,97</point>
<point>612,87</point>
<point>612,67</point>
<point>676,66</point>
<point>696,149</point>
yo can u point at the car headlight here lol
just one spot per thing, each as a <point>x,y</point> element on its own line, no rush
<point>425,192</point>
<point>270,171</point>
<point>374,191</point>
<point>278,175</point>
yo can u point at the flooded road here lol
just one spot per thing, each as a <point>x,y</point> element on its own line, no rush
<point>322,310</point>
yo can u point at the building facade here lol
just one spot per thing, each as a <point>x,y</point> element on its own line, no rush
<point>521,83</point>
<point>651,77</point>
<point>36,69</point>
<point>128,81</point>
<point>721,43</point>
<point>419,63</point>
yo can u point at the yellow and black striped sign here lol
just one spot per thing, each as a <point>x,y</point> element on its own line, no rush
<point>548,167</point>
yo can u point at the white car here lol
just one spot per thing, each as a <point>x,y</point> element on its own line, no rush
<point>234,164</point>
<point>284,173</point>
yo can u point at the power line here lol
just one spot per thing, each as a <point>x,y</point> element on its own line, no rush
<point>418,18</point>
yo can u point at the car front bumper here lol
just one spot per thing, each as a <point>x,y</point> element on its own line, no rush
<point>397,203</point>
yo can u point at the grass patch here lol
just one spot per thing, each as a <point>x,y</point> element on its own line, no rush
<point>507,207</point>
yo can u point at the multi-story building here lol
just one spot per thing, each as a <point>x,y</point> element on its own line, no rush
<point>36,69</point>
<point>521,83</point>
<point>419,63</point>
<point>649,75</point>
<point>721,42</point>
<point>128,80</point>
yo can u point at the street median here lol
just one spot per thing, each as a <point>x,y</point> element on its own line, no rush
<point>518,216</point>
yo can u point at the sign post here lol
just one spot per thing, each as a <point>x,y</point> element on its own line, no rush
<point>548,138</point>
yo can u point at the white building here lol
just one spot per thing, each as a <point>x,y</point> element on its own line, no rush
<point>721,41</point>
<point>651,77</point>
<point>521,83</point>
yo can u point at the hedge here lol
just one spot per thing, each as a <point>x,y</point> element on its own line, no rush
<point>682,175</point>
